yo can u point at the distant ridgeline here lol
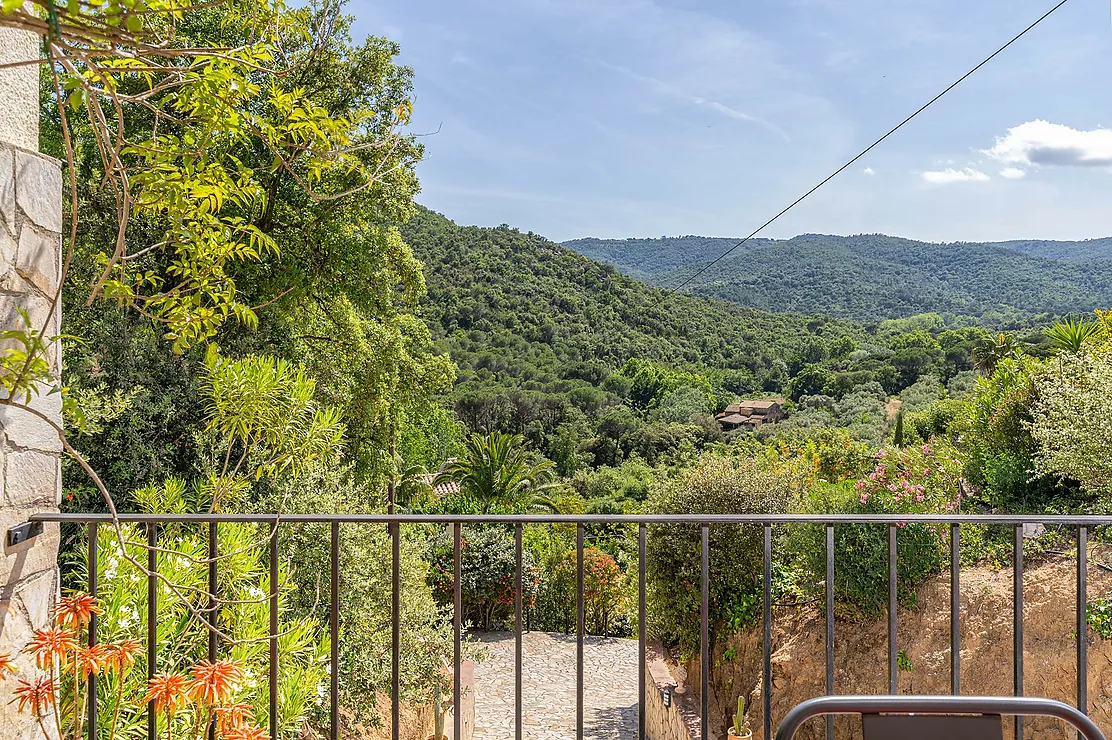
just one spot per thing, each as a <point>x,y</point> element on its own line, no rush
<point>872,276</point>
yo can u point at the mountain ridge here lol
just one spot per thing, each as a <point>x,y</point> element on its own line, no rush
<point>869,277</point>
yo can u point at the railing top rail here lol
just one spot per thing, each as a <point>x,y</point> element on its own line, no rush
<point>1012,519</point>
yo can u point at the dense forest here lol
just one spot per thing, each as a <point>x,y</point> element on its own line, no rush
<point>872,276</point>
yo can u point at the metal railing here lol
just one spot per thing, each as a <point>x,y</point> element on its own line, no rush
<point>1081,524</point>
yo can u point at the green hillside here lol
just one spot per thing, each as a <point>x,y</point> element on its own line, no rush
<point>873,276</point>
<point>521,309</point>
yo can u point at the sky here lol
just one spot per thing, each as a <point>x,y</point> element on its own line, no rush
<point>642,118</point>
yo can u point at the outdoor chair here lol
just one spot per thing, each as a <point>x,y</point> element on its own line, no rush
<point>932,717</point>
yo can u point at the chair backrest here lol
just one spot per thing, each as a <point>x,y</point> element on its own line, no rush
<point>907,717</point>
<point>931,727</point>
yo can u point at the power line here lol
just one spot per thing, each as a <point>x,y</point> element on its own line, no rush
<point>870,147</point>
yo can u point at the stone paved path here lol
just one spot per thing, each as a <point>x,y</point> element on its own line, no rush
<point>548,687</point>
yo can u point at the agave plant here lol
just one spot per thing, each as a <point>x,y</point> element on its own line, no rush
<point>1070,335</point>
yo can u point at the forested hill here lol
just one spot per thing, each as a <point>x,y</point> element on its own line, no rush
<point>872,276</point>
<point>517,309</point>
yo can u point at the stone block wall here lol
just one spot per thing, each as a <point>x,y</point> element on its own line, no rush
<point>30,471</point>
<point>675,718</point>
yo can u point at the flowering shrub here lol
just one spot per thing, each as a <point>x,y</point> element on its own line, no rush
<point>208,693</point>
<point>603,591</point>
<point>242,616</point>
<point>914,480</point>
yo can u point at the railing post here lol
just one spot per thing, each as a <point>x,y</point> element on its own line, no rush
<point>704,633</point>
<point>1082,621</point>
<point>766,680</point>
<point>272,677</point>
<point>1017,621</point>
<point>334,634</point>
<point>641,632</point>
<point>955,609</point>
<point>829,623</point>
<point>893,647</point>
<point>93,624</point>
<point>152,621</point>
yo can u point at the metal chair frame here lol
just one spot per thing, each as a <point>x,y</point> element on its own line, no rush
<point>1020,706</point>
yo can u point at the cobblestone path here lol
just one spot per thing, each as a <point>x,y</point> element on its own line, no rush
<point>548,687</point>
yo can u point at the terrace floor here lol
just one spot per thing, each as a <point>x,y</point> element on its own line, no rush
<point>548,687</point>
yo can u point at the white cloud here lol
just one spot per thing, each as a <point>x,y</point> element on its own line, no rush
<point>1043,143</point>
<point>1012,173</point>
<point>949,175</point>
<point>869,171</point>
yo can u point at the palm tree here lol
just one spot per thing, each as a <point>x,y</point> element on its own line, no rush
<point>988,354</point>
<point>498,469</point>
<point>1071,334</point>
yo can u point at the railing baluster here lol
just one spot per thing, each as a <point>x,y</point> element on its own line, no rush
<point>93,624</point>
<point>1017,622</point>
<point>457,628</point>
<point>766,680</point>
<point>641,632</point>
<point>955,609</point>
<point>517,632</point>
<point>272,677</point>
<point>580,628</point>
<point>893,647</point>
<point>1082,622</point>
<point>829,624</point>
<point>704,633</point>
<point>334,635</point>
<point>213,552</point>
<point>395,630</point>
<point>152,621</point>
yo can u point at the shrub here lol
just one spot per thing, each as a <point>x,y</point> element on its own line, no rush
<point>487,570</point>
<point>603,592</point>
<point>716,485</point>
<point>916,480</point>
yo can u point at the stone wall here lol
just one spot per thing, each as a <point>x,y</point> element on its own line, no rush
<point>19,89</point>
<point>674,718</point>
<point>30,473</point>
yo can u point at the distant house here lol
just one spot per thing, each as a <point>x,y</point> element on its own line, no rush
<point>751,415</point>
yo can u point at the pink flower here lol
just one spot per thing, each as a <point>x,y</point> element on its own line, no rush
<point>864,498</point>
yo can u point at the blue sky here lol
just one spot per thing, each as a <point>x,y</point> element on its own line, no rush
<point>618,118</point>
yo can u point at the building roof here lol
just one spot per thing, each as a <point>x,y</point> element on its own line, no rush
<point>759,405</point>
<point>733,419</point>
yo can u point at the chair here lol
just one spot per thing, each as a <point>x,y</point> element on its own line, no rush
<point>930,717</point>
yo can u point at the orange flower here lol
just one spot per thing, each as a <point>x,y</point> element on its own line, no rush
<point>7,665</point>
<point>76,610</point>
<point>50,645</point>
<point>233,717</point>
<point>91,659</point>
<point>119,656</point>
<point>167,691</point>
<point>214,682</point>
<point>39,695</point>
<point>247,732</point>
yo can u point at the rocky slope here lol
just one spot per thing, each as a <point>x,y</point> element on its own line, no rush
<point>860,654</point>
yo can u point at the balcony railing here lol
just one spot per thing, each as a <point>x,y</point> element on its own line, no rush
<point>1080,524</point>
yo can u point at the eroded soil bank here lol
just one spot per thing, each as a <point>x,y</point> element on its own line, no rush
<point>860,649</point>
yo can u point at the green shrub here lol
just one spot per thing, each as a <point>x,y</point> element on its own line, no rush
<point>916,480</point>
<point>716,485</point>
<point>487,569</point>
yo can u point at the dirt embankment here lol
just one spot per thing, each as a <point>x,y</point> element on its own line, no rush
<point>861,660</point>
